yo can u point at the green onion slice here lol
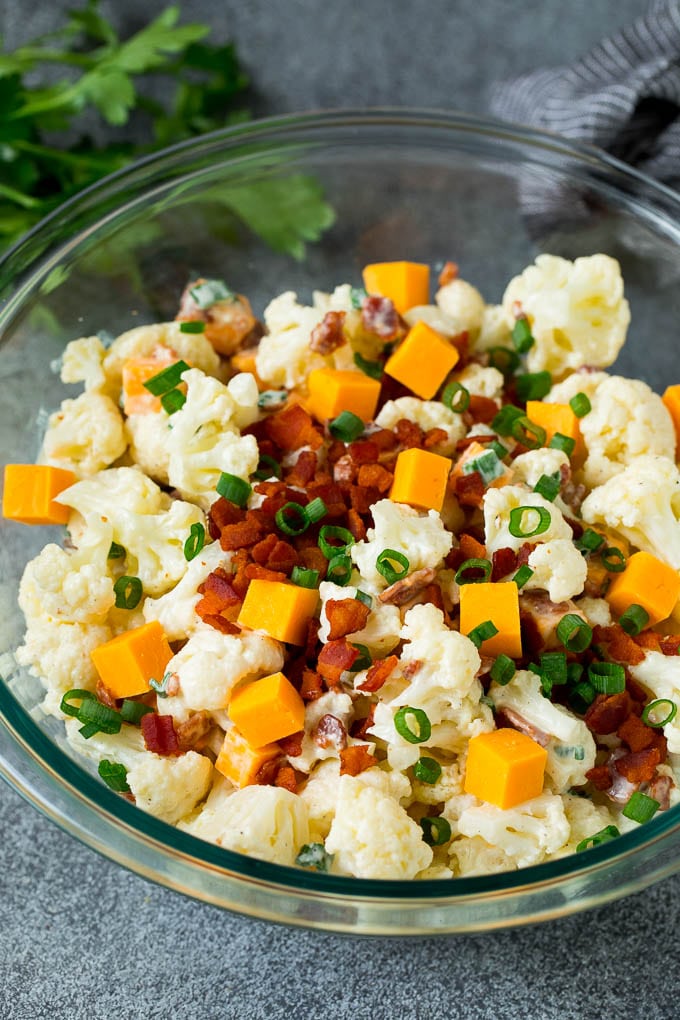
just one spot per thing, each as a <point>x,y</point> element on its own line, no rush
<point>603,836</point>
<point>114,775</point>
<point>574,672</point>
<point>554,668</point>
<point>564,443</point>
<point>487,464</point>
<point>524,574</point>
<point>128,592</point>
<point>172,401</point>
<point>161,688</point>
<point>192,326</point>
<point>517,527</point>
<point>347,427</point>
<point>167,379</point>
<point>412,724</point>
<point>209,292</point>
<point>640,808</point>
<point>503,670</point>
<point>436,831</point>
<point>506,418</point>
<point>365,660</point>
<point>334,540</point>
<point>574,633</point>
<point>652,711</point>
<point>521,336</point>
<point>116,552</point>
<point>384,565</point>
<point>427,770</point>
<point>582,695</point>
<point>315,510</point>
<point>528,433</point>
<point>580,405</point>
<point>132,711</point>
<point>613,559</point>
<point>304,578</point>
<point>478,569</point>
<point>77,694</point>
<point>357,296</point>
<point>314,856</point>
<point>195,542</point>
<point>339,570</point>
<point>233,488</point>
<point>269,399</point>
<point>548,486</point>
<point>374,369</point>
<point>607,677</point>
<point>482,632</point>
<point>498,448</point>
<point>362,596</point>
<point>533,385</point>
<point>634,620</point>
<point>589,541</point>
<point>456,397</point>
<point>93,714</point>
<point>503,359</point>
<point>266,467</point>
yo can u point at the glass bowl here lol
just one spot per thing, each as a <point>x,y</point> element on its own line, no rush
<point>240,204</point>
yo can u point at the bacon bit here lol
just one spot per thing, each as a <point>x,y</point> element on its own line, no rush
<point>222,513</point>
<point>240,582</point>
<point>600,777</point>
<point>404,590</point>
<point>312,639</point>
<point>311,687</point>
<point>292,428</point>
<point>454,558</point>
<point>448,273</point>
<point>356,526</point>
<point>378,674</point>
<point>433,437</point>
<point>356,759</point>
<point>660,789</point>
<point>466,441</point>
<point>433,594</point>
<point>274,553</point>
<point>361,727</point>
<point>104,695</point>
<point>471,548</point>
<point>461,341</point>
<point>243,535</point>
<point>192,730</point>
<point>335,658</point>
<point>331,494</point>
<point>219,584</point>
<point>504,562</point>
<point>329,732</point>
<point>507,718</point>
<point>636,767</point>
<point>637,693</point>
<point>328,335</point>
<point>375,476</point>
<point>304,469</point>
<point>634,733</point>
<point>292,746</point>
<point>314,559</point>
<point>411,668</point>
<point>363,451</point>
<point>469,489</point>
<point>220,623</point>
<point>344,469</point>
<point>620,645</point>
<point>649,640</point>
<point>219,597</point>
<point>482,410</point>
<point>286,779</point>
<point>262,550</point>
<point>380,317</point>
<point>346,616</point>
<point>254,572</point>
<point>266,774</point>
<point>408,433</point>
<point>384,439</point>
<point>608,712</point>
<point>159,734</point>
<point>363,499</point>
<point>670,644</point>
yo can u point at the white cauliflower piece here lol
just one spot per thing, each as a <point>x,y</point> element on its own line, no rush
<point>571,747</point>
<point>530,466</point>
<point>82,362</point>
<point>498,504</point>
<point>642,502</point>
<point>448,786</point>
<point>596,611</point>
<point>577,312</point>
<point>494,331</point>
<point>472,855</point>
<point>381,633</point>
<point>577,382</point>
<point>330,703</point>
<point>660,674</point>
<point>283,356</point>
<point>559,568</point>
<point>321,790</point>
<point>148,436</point>
<point>422,538</point>
<point>464,304</point>
<point>372,836</point>
<point>481,381</point>
<point>585,819</point>
<point>60,654</point>
<point>429,414</point>
<point>142,341</point>
<point>528,833</point>
<point>176,610</point>
<point>84,435</point>
<point>434,317</point>
<point>66,586</point>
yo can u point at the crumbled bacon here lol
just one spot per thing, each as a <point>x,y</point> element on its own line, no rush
<point>292,746</point>
<point>292,428</point>
<point>328,335</point>
<point>637,766</point>
<point>242,535</point>
<point>433,437</point>
<point>356,759</point>
<point>471,548</point>
<point>378,674</point>
<point>219,596</point>
<point>254,572</point>
<point>222,513</point>
<point>360,727</point>
<point>482,410</point>
<point>504,562</point>
<point>311,687</point>
<point>635,733</point>
<point>335,658</point>
<point>469,489</point>
<point>285,778</point>
<point>660,790</point>
<point>508,718</point>
<point>363,451</point>
<point>105,696</point>
<point>346,616</point>
<point>380,317</point>
<point>619,645</point>
<point>375,476</point>
<point>329,732</point>
<point>355,525</point>
<point>608,712</point>
<point>344,469</point>
<point>303,470</point>
<point>670,644</point>
<point>191,732</point>
<point>600,777</point>
<point>159,734</point>
<point>408,433</point>
<point>402,591</point>
<point>449,272</point>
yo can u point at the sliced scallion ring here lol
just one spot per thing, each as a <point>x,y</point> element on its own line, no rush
<point>603,836</point>
<point>347,427</point>
<point>521,335</point>
<point>334,540</point>
<point>412,724</point>
<point>564,443</point>
<point>524,574</point>
<point>528,433</point>
<point>114,775</point>
<point>172,401</point>
<point>266,468</point>
<point>192,326</point>
<point>613,559</point>
<point>128,592</point>
<point>503,670</point>
<point>427,770</point>
<point>167,379</point>
<point>233,488</point>
<point>473,571</point>
<point>640,808</point>
<point>436,830</point>
<point>663,707</point>
<point>634,620</point>
<point>580,405</point>
<point>539,514</point>
<point>195,542</point>
<point>291,519</point>
<point>574,633</point>
<point>607,677</point>
<point>305,578</point>
<point>456,397</point>
<point>339,570</point>
<point>482,632</point>
<point>384,564</point>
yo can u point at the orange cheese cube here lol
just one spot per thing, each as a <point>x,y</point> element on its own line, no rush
<point>420,479</point>
<point>505,768</point>
<point>240,762</point>
<point>30,491</point>
<point>671,399</point>
<point>281,610</point>
<point>647,582</point>
<point>497,601</point>
<point>127,662</point>
<point>267,710</point>
<point>406,284</point>
<point>422,361</point>
<point>333,390</point>
<point>137,371</point>
<point>558,418</point>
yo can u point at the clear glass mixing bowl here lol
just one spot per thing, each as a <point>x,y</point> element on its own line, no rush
<point>415,185</point>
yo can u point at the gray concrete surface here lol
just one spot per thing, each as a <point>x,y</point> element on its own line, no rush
<point>81,938</point>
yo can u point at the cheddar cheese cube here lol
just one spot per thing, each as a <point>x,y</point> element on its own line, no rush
<point>558,418</point>
<point>505,768</point>
<point>30,490</point>
<point>334,390</point>
<point>420,479</point>
<point>497,601</point>
<point>136,372</point>
<point>281,610</point>
<point>267,710</point>
<point>406,284</point>
<point>422,361</point>
<point>648,582</point>
<point>127,662</point>
<point>240,762</point>
<point>671,399</point>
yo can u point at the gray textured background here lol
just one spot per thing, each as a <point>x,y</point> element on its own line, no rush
<point>79,937</point>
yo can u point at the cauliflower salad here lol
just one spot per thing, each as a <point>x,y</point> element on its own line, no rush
<point>383,585</point>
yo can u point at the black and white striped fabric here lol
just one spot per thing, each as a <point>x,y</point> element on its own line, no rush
<point>623,96</point>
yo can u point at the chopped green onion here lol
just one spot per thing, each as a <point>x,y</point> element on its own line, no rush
<point>173,401</point>
<point>498,448</point>
<point>503,359</point>
<point>314,856</point>
<point>533,385</point>
<point>88,730</point>
<point>347,426</point>
<point>116,552</point>
<point>528,433</point>
<point>365,660</point>
<point>291,519</point>
<point>304,578</point>
<point>607,677</point>
<point>166,380</point>
<point>114,775</point>
<point>104,719</point>
<point>195,542</point>
<point>192,326</point>
<point>456,397</point>
<point>589,541</point>
<point>574,633</point>
<point>374,369</point>
<point>564,443</point>
<point>603,836</point>
<point>427,770</point>
<point>412,724</point>
<point>315,510</point>
<point>362,596</point>
<point>524,574</point>
<point>357,296</point>
<point>333,531</point>
<point>339,570</point>
<point>574,672</point>
<point>482,632</point>
<point>269,399</point>
<point>473,566</point>
<point>233,488</point>
<point>580,405</point>
<point>554,668</point>
<point>613,559</point>
<point>649,714</point>
<point>161,688</point>
<point>487,464</point>
<point>506,418</point>
<point>521,336</point>
<point>640,808</point>
<point>209,292</point>
<point>634,620</point>
<point>128,592</point>
<point>76,693</point>
<point>503,670</point>
<point>384,565</point>
<point>266,467</point>
<point>582,696</point>
<point>548,486</point>
<point>436,831</point>
<point>132,711</point>
<point>516,525</point>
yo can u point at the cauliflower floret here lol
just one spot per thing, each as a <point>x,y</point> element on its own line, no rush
<point>474,856</point>
<point>464,304</point>
<point>283,356</point>
<point>67,587</point>
<point>372,836</point>
<point>448,786</point>
<point>494,331</point>
<point>60,654</point>
<point>559,568</point>
<point>577,312</point>
<point>571,748</point>
<point>528,833</point>
<point>84,435</point>
<point>332,703</point>
<point>147,436</point>
<point>642,502</point>
<point>140,342</point>
<point>422,538</point>
<point>82,362</point>
<point>596,611</point>
<point>530,466</point>
<point>262,821</point>
<point>176,610</point>
<point>381,633</point>
<point>321,792</point>
<point>497,506</point>
<point>481,381</point>
<point>577,382</point>
<point>429,414</point>
<point>660,674</point>
<point>434,317</point>
<point>585,819</point>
